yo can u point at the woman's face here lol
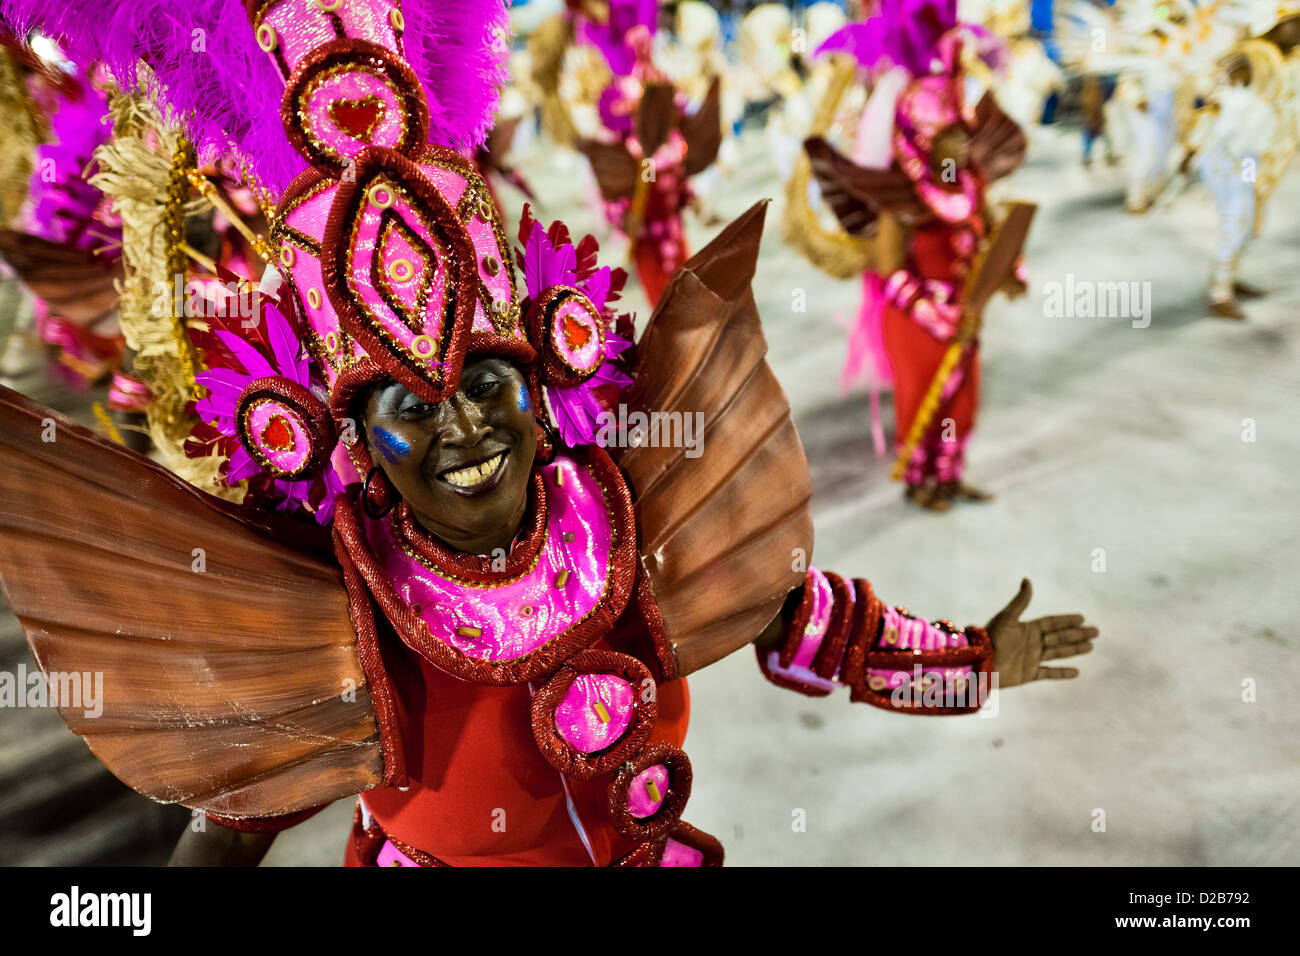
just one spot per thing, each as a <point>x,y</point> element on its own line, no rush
<point>463,465</point>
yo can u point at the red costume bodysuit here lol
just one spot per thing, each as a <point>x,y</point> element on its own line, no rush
<point>921,317</point>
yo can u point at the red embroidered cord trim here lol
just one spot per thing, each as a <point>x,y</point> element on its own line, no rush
<point>414,632</point>
<point>265,824</point>
<point>780,680</point>
<point>654,624</point>
<point>670,811</point>
<point>794,633</point>
<point>828,657</point>
<point>382,695</point>
<point>558,751</point>
<point>867,615</point>
<point>477,568</point>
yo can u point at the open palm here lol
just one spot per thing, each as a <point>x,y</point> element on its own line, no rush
<point>1021,647</point>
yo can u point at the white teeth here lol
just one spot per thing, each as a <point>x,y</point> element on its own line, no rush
<point>475,474</point>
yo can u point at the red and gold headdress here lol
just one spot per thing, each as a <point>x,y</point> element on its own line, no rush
<point>393,247</point>
<point>389,240</point>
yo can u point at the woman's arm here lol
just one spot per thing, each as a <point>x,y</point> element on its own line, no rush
<point>835,632</point>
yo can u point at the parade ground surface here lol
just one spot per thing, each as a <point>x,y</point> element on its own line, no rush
<point>1144,474</point>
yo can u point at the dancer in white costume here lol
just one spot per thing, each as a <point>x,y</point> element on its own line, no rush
<point>792,121</point>
<point>1242,131</point>
<point>1162,52</point>
<point>764,70</point>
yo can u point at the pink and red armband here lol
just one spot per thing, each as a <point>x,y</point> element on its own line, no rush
<point>842,634</point>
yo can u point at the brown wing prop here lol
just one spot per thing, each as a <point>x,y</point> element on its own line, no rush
<point>655,115</point>
<point>998,261</point>
<point>998,143</point>
<point>702,131</point>
<point>616,169</point>
<point>224,669</point>
<point>856,194</point>
<point>74,284</point>
<point>499,140</point>
<point>719,532</point>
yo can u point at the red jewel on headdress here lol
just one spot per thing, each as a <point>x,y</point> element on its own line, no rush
<point>358,118</point>
<point>278,435</point>
<point>575,333</point>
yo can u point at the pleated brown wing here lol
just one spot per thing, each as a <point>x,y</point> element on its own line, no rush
<point>223,638</point>
<point>655,115</point>
<point>702,131</point>
<point>723,522</point>
<point>998,143</point>
<point>857,195</point>
<point>615,168</point>
<point>74,284</point>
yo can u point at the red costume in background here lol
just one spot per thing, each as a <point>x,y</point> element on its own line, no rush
<point>916,312</point>
<point>650,145</point>
<point>916,336</point>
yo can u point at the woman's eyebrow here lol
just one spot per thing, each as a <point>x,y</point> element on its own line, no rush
<point>390,397</point>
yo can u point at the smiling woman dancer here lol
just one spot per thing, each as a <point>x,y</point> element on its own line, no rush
<point>490,647</point>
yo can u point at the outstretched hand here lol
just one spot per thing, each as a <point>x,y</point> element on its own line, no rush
<point>1021,647</point>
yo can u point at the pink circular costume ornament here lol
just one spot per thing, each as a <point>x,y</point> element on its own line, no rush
<point>596,712</point>
<point>645,795</point>
<point>284,427</point>
<point>649,793</point>
<point>348,95</point>
<point>573,333</point>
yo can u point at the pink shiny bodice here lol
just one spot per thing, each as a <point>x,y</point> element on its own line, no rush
<point>514,616</point>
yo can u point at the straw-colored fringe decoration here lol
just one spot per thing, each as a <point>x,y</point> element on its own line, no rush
<point>25,129</point>
<point>106,422</point>
<point>833,250</point>
<point>143,168</point>
<point>546,48</point>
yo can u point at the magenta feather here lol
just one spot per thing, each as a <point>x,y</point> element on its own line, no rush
<point>208,68</point>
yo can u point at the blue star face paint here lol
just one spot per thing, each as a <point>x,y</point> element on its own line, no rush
<point>525,403</point>
<point>393,448</point>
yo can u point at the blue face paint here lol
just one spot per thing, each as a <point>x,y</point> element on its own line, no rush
<point>391,446</point>
<point>525,403</point>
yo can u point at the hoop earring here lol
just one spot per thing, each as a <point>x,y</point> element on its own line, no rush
<point>548,443</point>
<point>390,494</point>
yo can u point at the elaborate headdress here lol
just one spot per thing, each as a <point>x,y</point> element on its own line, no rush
<point>922,37</point>
<point>392,246</point>
<point>610,26</point>
<point>916,47</point>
